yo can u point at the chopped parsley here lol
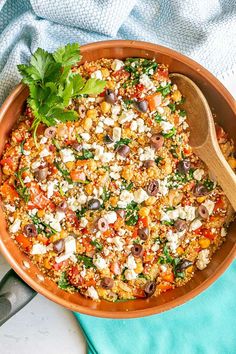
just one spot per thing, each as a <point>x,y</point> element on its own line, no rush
<point>172,107</point>
<point>97,244</point>
<point>171,133</point>
<point>131,216</point>
<point>87,261</point>
<point>64,172</point>
<point>122,141</point>
<point>63,281</point>
<point>209,184</point>
<point>42,227</point>
<point>80,213</point>
<point>86,155</point>
<point>20,186</point>
<point>182,113</point>
<point>164,90</point>
<point>105,195</point>
<point>22,147</point>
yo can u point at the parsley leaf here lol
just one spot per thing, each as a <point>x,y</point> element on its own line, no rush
<point>20,186</point>
<point>86,154</point>
<point>63,281</point>
<point>98,245</point>
<point>131,216</point>
<point>122,141</point>
<point>52,85</point>
<point>87,261</point>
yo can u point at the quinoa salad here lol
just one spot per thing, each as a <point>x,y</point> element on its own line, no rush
<point>99,185</point>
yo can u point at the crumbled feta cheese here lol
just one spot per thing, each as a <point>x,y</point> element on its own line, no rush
<point>174,240</point>
<point>209,204</point>
<point>146,81</point>
<point>166,126</point>
<point>92,292</point>
<point>33,211</point>
<point>115,175</point>
<point>117,64</point>
<point>97,75</point>
<point>60,215</point>
<point>140,196</point>
<point>203,259</point>
<point>45,152</point>
<point>43,140</point>
<point>115,168</point>
<point>64,186</point>
<point>55,225</point>
<point>195,224</point>
<point>198,174</point>
<point>118,242</point>
<point>163,186</point>
<point>106,251</point>
<point>35,165</point>
<point>67,155</point>
<point>15,226</point>
<point>155,247</point>
<point>70,245</point>
<point>190,212</point>
<point>83,273</point>
<point>100,262</point>
<point>163,268</point>
<point>115,110</point>
<point>51,187</point>
<point>85,136</point>
<point>126,116</point>
<point>99,130</point>
<point>130,263</point>
<point>107,157</point>
<point>27,179</point>
<point>38,248</point>
<point>130,274</point>
<point>10,208</point>
<point>126,198</point>
<point>147,154</point>
<point>134,125</point>
<point>108,121</point>
<point>83,222</point>
<point>223,232</point>
<point>116,135</point>
<point>82,198</point>
<point>111,217</point>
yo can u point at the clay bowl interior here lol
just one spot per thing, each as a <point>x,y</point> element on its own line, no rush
<point>221,103</point>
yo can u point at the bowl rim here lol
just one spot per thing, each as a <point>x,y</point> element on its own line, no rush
<point>160,307</point>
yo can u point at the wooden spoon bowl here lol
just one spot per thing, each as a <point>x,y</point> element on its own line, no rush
<point>203,135</point>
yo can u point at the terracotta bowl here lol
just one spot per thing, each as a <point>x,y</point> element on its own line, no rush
<point>222,105</point>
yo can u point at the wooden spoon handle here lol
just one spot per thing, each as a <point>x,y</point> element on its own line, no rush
<point>221,170</point>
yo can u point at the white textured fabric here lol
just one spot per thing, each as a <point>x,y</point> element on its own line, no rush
<point>205,30</point>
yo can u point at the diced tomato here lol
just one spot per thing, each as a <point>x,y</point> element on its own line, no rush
<point>72,218</point>
<point>102,94</point>
<point>187,151</point>
<point>74,276</point>
<point>52,148</point>
<point>8,192</point>
<point>139,293</point>
<point>37,197</point>
<point>198,231</point>
<point>115,268</point>
<point>168,277</point>
<point>24,242</point>
<point>162,73</point>
<point>58,266</point>
<point>208,234</point>
<point>86,242</point>
<point>89,282</point>
<point>43,239</point>
<point>219,204</point>
<point>154,101</point>
<point>121,74</point>
<point>77,176</point>
<point>164,287</point>
<point>135,233</point>
<point>7,161</point>
<point>143,222</point>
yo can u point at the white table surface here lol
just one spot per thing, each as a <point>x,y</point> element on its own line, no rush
<point>42,327</point>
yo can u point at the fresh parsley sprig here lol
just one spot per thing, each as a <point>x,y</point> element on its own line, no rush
<point>52,84</point>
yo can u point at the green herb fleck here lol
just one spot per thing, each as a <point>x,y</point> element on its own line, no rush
<point>86,155</point>
<point>97,244</point>
<point>87,261</point>
<point>63,281</point>
<point>64,173</point>
<point>80,213</point>
<point>164,90</point>
<point>171,133</point>
<point>182,113</point>
<point>131,217</point>
<point>122,141</point>
<point>20,186</point>
<point>209,184</point>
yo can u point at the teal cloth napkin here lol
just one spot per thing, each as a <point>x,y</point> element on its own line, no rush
<point>204,325</point>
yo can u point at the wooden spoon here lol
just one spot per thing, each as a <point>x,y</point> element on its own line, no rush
<point>203,135</point>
